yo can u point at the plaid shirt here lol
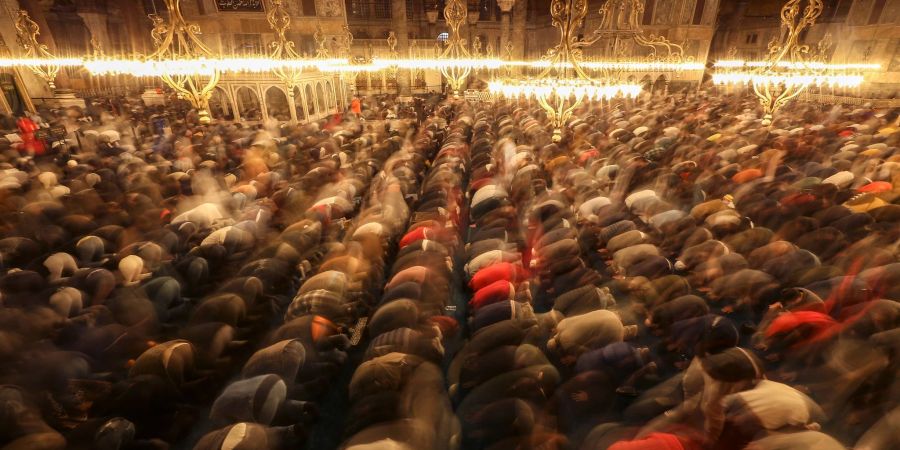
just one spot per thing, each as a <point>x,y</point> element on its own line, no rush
<point>655,154</point>
<point>320,302</point>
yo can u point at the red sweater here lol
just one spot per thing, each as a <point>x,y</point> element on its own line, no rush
<point>497,291</point>
<point>503,271</point>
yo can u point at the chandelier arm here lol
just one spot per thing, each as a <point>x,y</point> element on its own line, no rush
<point>789,94</point>
<point>549,109</point>
<point>568,111</point>
<point>778,89</point>
<point>631,29</point>
<point>756,90</point>
<point>177,40</point>
<point>168,31</point>
<point>27,32</point>
<point>284,48</point>
<point>455,13</point>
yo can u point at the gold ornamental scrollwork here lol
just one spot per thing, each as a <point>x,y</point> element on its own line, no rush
<point>455,13</point>
<point>176,39</point>
<point>786,50</point>
<point>27,32</point>
<point>282,47</point>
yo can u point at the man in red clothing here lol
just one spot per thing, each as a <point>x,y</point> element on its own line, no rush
<point>356,107</point>
<point>30,144</point>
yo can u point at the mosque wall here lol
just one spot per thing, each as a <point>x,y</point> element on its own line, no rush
<point>708,30</point>
<point>862,31</point>
<point>111,29</point>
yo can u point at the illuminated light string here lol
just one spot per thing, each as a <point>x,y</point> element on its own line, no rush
<point>25,62</point>
<point>635,66</point>
<point>810,65</point>
<point>563,88</point>
<point>844,81</point>
<point>203,66</point>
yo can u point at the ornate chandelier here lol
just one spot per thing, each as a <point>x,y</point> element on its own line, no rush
<point>44,64</point>
<point>177,40</point>
<point>618,37</point>
<point>455,14</point>
<point>790,66</point>
<point>564,84</point>
<point>393,69</point>
<point>282,47</point>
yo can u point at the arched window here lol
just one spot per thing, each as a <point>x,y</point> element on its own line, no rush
<point>877,9</point>
<point>248,104</point>
<point>220,106</point>
<point>277,104</point>
<point>443,37</point>
<point>309,7</point>
<point>649,6</point>
<point>698,12</point>
<point>486,10</point>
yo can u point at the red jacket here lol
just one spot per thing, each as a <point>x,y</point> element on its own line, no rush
<point>497,291</point>
<point>504,271</point>
<point>27,127</point>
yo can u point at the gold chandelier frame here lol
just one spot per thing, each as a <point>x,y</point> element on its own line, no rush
<point>563,84</point>
<point>282,47</point>
<point>27,32</point>
<point>786,47</point>
<point>175,39</point>
<point>455,13</point>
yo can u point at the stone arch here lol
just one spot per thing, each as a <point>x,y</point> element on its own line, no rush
<point>647,83</point>
<point>660,84</point>
<point>362,82</point>
<point>248,105</point>
<point>310,100</point>
<point>277,105</point>
<point>220,105</point>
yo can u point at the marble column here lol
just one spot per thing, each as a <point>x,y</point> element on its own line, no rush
<point>471,20</point>
<point>137,27</point>
<point>506,7</point>
<point>519,14</point>
<point>399,25</point>
<point>97,25</point>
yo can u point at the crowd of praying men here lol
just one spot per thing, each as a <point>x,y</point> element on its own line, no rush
<point>671,275</point>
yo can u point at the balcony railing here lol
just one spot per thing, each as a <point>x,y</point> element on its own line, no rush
<point>830,99</point>
<point>423,48</point>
